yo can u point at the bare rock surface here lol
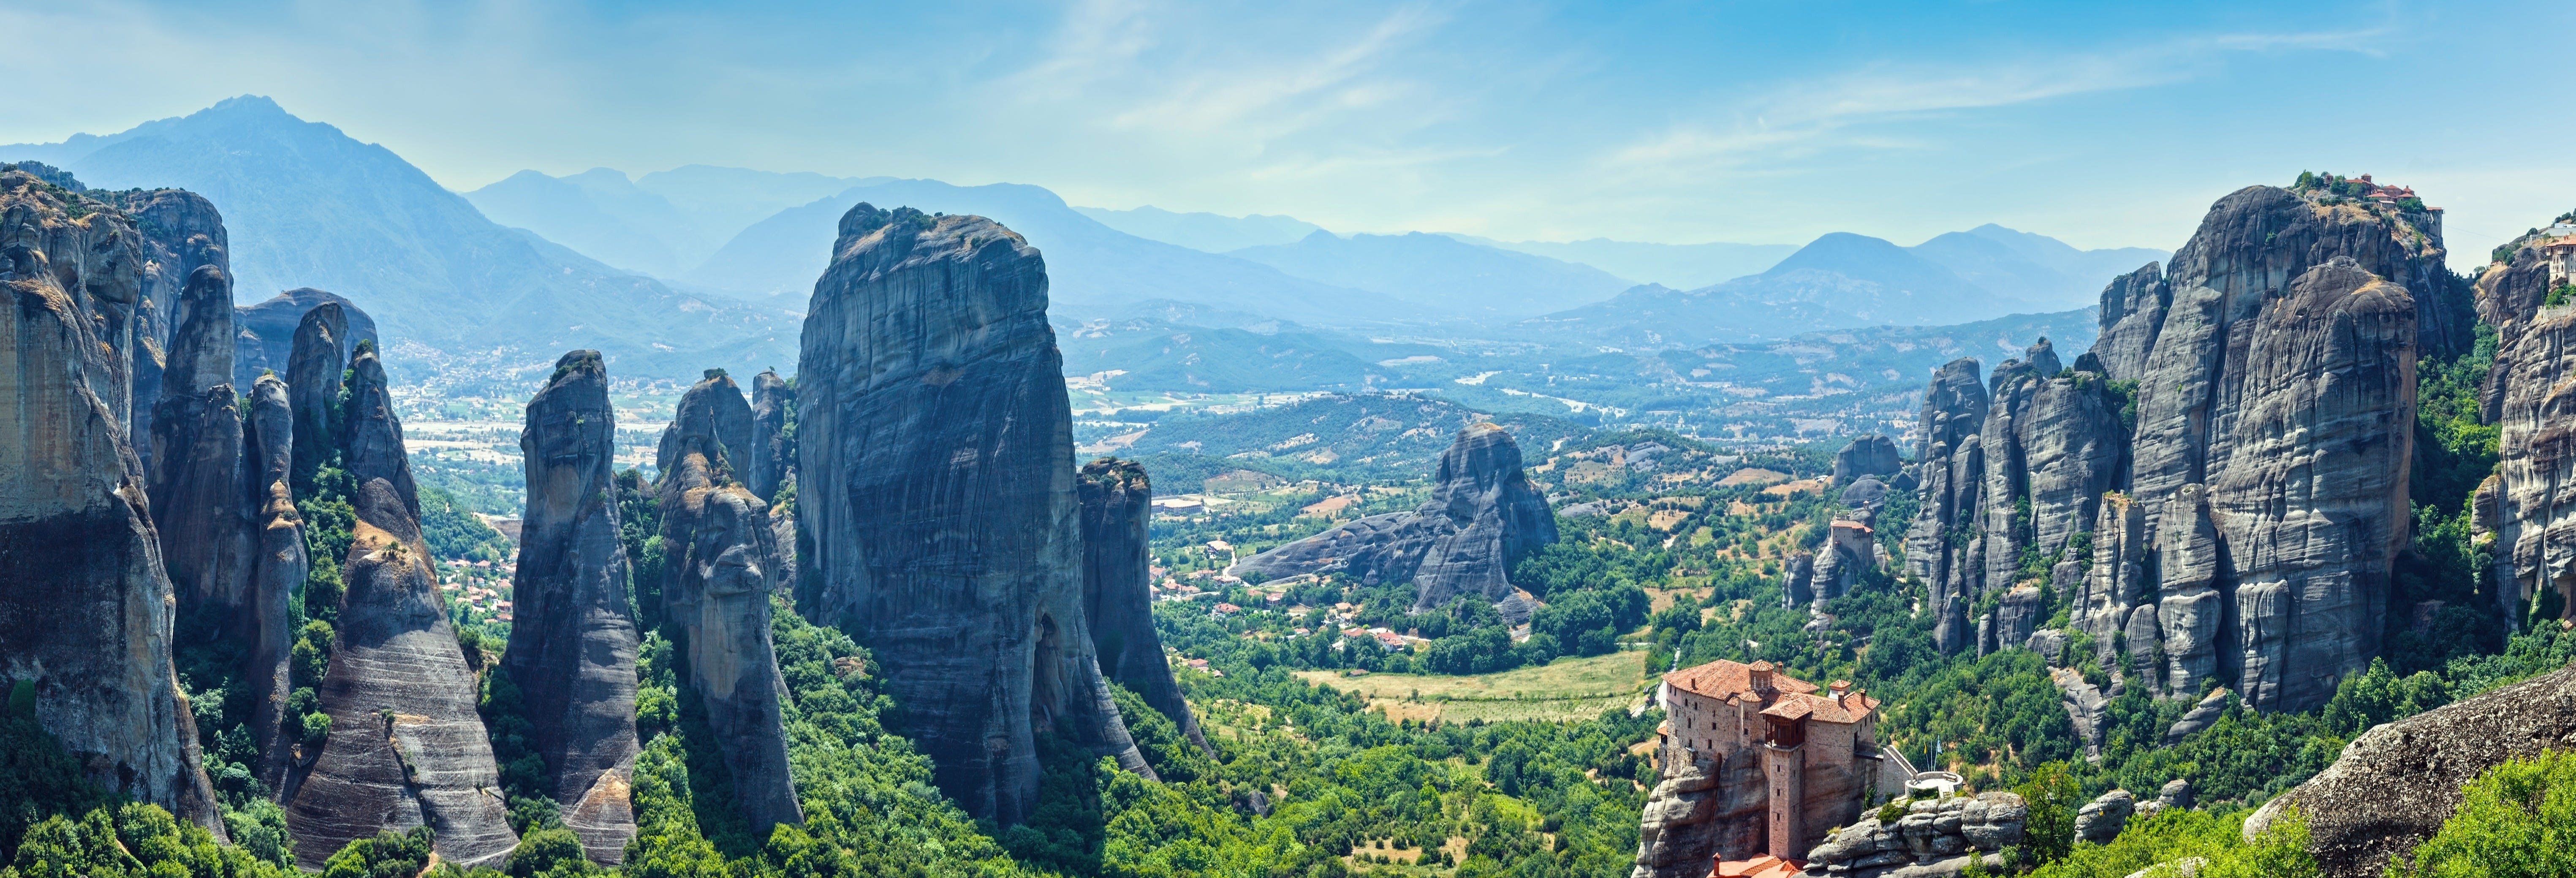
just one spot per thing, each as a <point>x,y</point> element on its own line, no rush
<point>2394,786</point>
<point>2312,501</point>
<point>2531,398</point>
<point>1483,515</point>
<point>314,363</point>
<point>277,572</point>
<point>1672,839</point>
<point>721,564</point>
<point>1870,455</point>
<point>406,747</point>
<point>2101,820</point>
<point>264,333</point>
<point>773,402</point>
<point>85,610</point>
<point>178,232</point>
<point>1935,837</point>
<point>2133,313</point>
<point>1117,587</point>
<point>573,642</point>
<point>197,476</point>
<point>1939,549</point>
<point>936,478</point>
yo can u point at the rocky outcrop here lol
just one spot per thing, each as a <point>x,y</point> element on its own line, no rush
<point>1935,837</point>
<point>2531,506</point>
<point>2085,707</point>
<point>720,565</point>
<point>1798,580</point>
<point>179,232</point>
<point>85,610</point>
<point>1871,455</point>
<point>720,425</point>
<point>2394,786</point>
<point>277,572</point>
<point>773,405</point>
<point>1118,587</point>
<point>406,746</point>
<point>1675,838</point>
<point>1483,516</point>
<point>936,478</point>
<point>313,386</point>
<point>264,337</point>
<point>2201,716</point>
<point>198,485</point>
<point>573,642</point>
<point>2101,820</point>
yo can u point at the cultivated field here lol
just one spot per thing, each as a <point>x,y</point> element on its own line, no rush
<point>1565,690</point>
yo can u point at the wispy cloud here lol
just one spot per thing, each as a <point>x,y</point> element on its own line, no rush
<point>1800,118</point>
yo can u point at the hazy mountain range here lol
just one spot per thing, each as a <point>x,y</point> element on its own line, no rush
<point>306,205</point>
<point>673,271</point>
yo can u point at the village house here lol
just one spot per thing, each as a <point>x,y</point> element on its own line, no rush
<point>1794,762</point>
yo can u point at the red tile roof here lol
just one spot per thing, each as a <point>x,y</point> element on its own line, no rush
<point>1765,866</point>
<point>1792,698</point>
<point>1721,679</point>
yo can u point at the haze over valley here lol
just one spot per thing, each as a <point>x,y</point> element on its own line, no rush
<point>1143,440</point>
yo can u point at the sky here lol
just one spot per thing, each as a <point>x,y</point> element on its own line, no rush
<point>2103,124</point>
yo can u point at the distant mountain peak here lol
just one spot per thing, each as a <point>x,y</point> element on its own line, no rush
<point>246,104</point>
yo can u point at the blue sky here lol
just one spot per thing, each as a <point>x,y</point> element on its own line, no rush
<point>2103,124</point>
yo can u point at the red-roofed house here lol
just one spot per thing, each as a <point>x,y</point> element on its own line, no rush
<point>1792,762</point>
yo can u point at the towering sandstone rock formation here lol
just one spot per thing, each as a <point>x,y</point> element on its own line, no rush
<point>313,368</point>
<point>198,486</point>
<point>720,564</point>
<point>264,337</point>
<point>772,403</point>
<point>572,644</point>
<point>2530,504</point>
<point>277,571</point>
<point>85,612</point>
<point>406,747</point>
<point>1118,587</point>
<point>2265,479</point>
<point>179,232</point>
<point>936,479</point>
<point>1483,516</point>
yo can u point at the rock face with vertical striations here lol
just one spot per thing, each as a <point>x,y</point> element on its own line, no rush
<point>720,565</point>
<point>2133,311</point>
<point>179,232</point>
<point>406,747</point>
<point>573,642</point>
<point>1483,516</point>
<point>85,611</point>
<point>277,571</point>
<point>936,478</point>
<point>2116,584</point>
<point>773,403</point>
<point>2531,502</point>
<point>1938,547</point>
<point>198,485</point>
<point>1118,587</point>
<point>2311,503</point>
